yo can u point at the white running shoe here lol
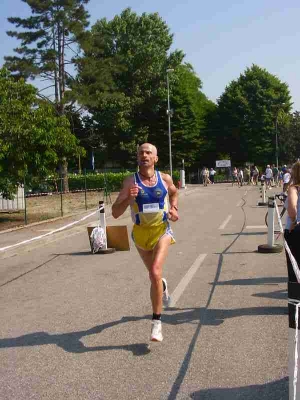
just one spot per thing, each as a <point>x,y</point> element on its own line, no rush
<point>166,296</point>
<point>156,331</point>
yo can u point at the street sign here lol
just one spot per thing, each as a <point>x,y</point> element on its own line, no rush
<point>223,163</point>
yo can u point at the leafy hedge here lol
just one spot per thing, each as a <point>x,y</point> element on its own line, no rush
<point>113,180</point>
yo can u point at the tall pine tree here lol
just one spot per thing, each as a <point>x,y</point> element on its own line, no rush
<point>49,40</point>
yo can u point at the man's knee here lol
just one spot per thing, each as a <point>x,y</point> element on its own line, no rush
<point>155,274</point>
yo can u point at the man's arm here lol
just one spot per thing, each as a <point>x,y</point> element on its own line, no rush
<point>128,191</point>
<point>173,197</point>
<point>292,205</point>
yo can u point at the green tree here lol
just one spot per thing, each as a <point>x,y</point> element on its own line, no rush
<point>289,137</point>
<point>190,108</point>
<point>247,113</point>
<point>127,101</point>
<point>33,138</point>
<point>49,40</point>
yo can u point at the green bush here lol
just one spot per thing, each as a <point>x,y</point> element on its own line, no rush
<point>94,181</point>
<point>97,181</point>
<point>113,180</point>
<point>221,178</point>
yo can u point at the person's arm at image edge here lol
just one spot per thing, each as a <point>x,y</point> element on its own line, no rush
<point>292,203</point>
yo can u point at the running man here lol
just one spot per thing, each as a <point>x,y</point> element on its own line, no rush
<point>146,193</point>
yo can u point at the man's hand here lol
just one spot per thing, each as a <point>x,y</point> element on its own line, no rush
<point>133,191</point>
<point>173,214</point>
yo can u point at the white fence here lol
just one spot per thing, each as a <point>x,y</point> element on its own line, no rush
<point>18,203</point>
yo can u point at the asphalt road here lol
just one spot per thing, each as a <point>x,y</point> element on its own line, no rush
<point>77,326</point>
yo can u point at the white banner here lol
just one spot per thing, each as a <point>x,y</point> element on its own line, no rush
<point>223,163</point>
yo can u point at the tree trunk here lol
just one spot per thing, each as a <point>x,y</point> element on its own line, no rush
<point>64,174</point>
<point>55,69</point>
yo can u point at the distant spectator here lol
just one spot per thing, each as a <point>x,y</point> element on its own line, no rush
<point>286,180</point>
<point>234,176</point>
<point>247,175</point>
<point>269,176</point>
<point>280,177</point>
<point>240,177</point>
<point>205,176</point>
<point>275,175</point>
<point>255,175</point>
<point>212,174</point>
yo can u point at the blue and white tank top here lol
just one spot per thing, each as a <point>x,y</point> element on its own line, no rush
<point>288,219</point>
<point>150,207</point>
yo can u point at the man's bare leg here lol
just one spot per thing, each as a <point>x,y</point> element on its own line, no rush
<point>154,261</point>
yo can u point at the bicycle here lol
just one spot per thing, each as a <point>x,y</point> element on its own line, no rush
<point>281,197</point>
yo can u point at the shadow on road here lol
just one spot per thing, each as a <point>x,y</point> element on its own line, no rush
<point>70,342</point>
<point>216,317</point>
<point>276,390</point>
<point>277,294</point>
<point>246,233</point>
<point>77,253</point>
<point>272,280</point>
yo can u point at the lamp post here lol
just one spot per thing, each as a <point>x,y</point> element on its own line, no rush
<point>276,132</point>
<point>169,113</point>
<point>276,125</point>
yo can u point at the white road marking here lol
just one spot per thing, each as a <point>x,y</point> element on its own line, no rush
<point>256,227</point>
<point>186,280</point>
<point>239,203</point>
<point>245,192</point>
<point>225,222</point>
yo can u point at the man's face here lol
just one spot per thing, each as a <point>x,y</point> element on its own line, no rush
<point>147,155</point>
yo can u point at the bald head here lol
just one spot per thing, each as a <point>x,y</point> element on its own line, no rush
<point>148,147</point>
<point>147,155</point>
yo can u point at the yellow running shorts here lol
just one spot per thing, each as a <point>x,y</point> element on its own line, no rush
<point>147,237</point>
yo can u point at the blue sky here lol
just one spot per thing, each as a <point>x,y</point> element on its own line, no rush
<point>219,37</point>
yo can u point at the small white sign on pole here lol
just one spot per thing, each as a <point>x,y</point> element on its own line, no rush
<point>223,163</point>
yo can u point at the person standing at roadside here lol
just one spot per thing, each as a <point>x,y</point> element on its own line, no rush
<point>275,172</point>
<point>286,179</point>
<point>292,227</point>
<point>247,175</point>
<point>212,174</point>
<point>255,175</point>
<point>268,177</point>
<point>146,193</point>
<point>240,177</point>
<point>205,176</point>
<point>280,177</point>
<point>235,176</point>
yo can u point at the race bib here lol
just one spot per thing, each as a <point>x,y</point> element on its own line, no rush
<point>150,208</point>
